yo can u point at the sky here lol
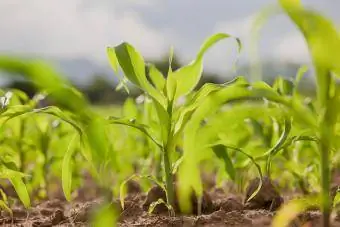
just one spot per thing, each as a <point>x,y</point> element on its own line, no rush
<point>72,29</point>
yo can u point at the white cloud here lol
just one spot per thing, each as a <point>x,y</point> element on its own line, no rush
<point>63,29</point>
<point>240,28</point>
<point>292,47</point>
<point>222,58</point>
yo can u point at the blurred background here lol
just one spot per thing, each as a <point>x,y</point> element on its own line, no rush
<point>73,34</point>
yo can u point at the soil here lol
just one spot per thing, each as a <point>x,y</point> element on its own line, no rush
<point>218,209</point>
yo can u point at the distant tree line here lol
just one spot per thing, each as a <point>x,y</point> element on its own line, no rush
<point>102,91</point>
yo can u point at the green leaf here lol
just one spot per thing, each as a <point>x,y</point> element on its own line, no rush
<point>112,59</point>
<point>292,209</point>
<point>299,75</point>
<point>156,77</point>
<point>323,41</point>
<point>221,152</point>
<point>21,190</point>
<point>136,125</point>
<point>185,79</point>
<point>279,144</point>
<point>221,143</point>
<point>336,200</point>
<point>130,110</point>
<point>184,113</point>
<point>133,66</point>
<point>154,204</point>
<point>14,111</point>
<point>122,187</point>
<point>66,171</point>
<point>106,215</point>
<point>114,64</point>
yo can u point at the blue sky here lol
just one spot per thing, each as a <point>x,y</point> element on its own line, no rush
<point>70,29</point>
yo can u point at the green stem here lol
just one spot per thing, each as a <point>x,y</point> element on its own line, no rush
<point>168,178</point>
<point>159,166</point>
<point>325,183</point>
<point>327,125</point>
<point>167,148</point>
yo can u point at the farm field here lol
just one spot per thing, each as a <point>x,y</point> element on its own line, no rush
<point>239,153</point>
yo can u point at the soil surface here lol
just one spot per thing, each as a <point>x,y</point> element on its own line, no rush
<point>218,209</point>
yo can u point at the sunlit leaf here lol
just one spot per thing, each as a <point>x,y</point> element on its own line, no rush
<point>67,172</point>
<point>221,152</point>
<point>185,79</point>
<point>289,211</point>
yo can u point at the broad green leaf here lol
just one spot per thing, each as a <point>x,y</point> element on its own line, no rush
<point>185,79</point>
<point>96,136</point>
<point>322,38</point>
<point>130,109</point>
<point>183,114</point>
<point>221,152</point>
<point>336,200</point>
<point>21,190</point>
<point>164,122</point>
<point>279,144</point>
<point>284,86</point>
<point>171,56</point>
<point>114,64</point>
<point>299,75</point>
<point>133,66</point>
<point>289,211</point>
<point>14,111</point>
<point>63,115</point>
<point>112,59</point>
<point>106,215</point>
<point>156,77</point>
<point>136,125</point>
<point>6,172</point>
<point>227,146</point>
<point>66,171</point>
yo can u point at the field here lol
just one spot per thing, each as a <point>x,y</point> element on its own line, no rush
<point>240,153</point>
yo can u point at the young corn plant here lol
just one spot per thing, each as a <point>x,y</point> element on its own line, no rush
<point>264,101</point>
<point>323,41</point>
<point>165,93</point>
<point>70,107</point>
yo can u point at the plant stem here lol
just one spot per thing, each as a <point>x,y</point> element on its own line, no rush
<point>167,148</point>
<point>168,178</point>
<point>325,183</point>
<point>327,125</point>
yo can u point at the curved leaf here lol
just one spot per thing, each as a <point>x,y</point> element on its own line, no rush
<point>133,66</point>
<point>21,190</point>
<point>292,209</point>
<point>66,171</point>
<point>221,152</point>
<point>185,79</point>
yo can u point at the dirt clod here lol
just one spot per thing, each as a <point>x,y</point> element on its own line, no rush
<point>58,217</point>
<point>156,193</point>
<point>46,212</point>
<point>267,198</point>
<point>133,187</point>
<point>231,204</point>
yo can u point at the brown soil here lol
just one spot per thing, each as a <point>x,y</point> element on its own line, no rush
<point>218,207</point>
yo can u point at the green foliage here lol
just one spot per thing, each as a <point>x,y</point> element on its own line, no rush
<point>238,129</point>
